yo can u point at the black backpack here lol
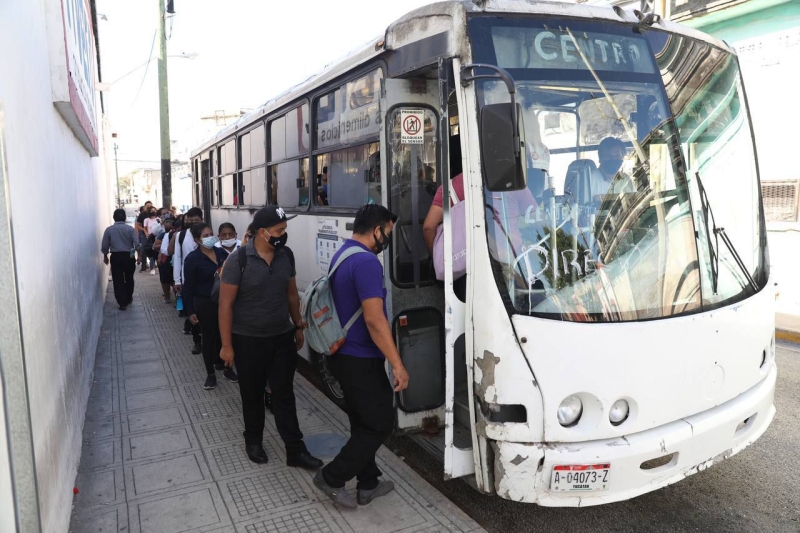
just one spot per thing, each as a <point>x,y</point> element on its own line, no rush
<point>242,251</point>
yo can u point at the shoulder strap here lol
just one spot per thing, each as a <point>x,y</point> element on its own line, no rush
<point>347,253</point>
<point>182,237</point>
<point>242,251</point>
<point>453,196</point>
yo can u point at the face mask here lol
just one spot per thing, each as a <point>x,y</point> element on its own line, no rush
<point>209,242</point>
<point>610,166</point>
<point>227,243</point>
<point>382,244</point>
<point>277,242</point>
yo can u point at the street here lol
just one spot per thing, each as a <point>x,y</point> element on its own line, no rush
<point>754,491</point>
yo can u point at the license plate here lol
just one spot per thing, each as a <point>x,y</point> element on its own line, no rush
<point>580,478</point>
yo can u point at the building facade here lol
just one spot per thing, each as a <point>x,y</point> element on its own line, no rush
<point>55,201</point>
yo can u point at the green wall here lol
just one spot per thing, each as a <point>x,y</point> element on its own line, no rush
<point>757,23</point>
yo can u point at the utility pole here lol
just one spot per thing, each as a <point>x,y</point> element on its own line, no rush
<point>116,170</point>
<point>163,97</point>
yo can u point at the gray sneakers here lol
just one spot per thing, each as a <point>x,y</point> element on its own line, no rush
<point>383,488</point>
<point>339,496</point>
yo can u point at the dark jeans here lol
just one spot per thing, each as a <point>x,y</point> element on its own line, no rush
<point>259,359</point>
<point>209,327</point>
<point>368,398</point>
<point>123,267</point>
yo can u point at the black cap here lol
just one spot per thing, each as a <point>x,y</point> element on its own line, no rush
<point>269,216</point>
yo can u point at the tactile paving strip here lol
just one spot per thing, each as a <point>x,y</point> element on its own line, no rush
<point>227,406</point>
<point>263,493</point>
<point>195,375</point>
<point>185,362</point>
<point>232,459</point>
<point>219,431</point>
<point>309,520</point>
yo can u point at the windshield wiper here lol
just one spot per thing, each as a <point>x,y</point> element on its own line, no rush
<point>713,251</point>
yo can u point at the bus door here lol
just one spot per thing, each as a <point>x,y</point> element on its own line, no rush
<point>415,302</point>
<point>428,318</point>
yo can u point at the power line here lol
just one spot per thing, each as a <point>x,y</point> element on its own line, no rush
<point>146,68</point>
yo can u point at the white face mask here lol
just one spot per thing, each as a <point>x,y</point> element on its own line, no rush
<point>227,243</point>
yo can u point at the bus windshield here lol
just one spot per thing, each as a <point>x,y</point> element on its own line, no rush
<point>618,125</point>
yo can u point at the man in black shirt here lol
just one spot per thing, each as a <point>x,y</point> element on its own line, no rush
<point>256,301</point>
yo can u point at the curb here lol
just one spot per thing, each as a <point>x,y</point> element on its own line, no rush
<point>788,335</point>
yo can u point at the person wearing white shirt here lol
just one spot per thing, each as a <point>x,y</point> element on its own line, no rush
<point>227,238</point>
<point>182,245</point>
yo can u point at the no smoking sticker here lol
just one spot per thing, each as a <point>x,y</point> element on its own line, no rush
<point>411,126</point>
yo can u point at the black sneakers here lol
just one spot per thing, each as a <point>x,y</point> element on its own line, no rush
<point>197,348</point>
<point>211,382</point>
<point>230,375</point>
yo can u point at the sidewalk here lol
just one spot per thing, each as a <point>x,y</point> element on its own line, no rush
<point>787,327</point>
<point>162,455</point>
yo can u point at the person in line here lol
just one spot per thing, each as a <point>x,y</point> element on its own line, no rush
<point>322,195</point>
<point>359,365</point>
<point>248,234</point>
<point>198,270</point>
<point>152,227</point>
<point>181,247</point>
<point>164,268</point>
<point>122,242</point>
<point>144,214</point>
<point>227,238</point>
<point>262,329</point>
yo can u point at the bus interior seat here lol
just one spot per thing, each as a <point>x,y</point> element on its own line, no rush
<point>578,182</point>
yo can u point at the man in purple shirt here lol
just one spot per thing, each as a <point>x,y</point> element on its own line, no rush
<point>359,363</point>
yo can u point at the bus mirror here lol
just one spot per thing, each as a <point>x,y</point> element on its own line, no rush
<point>504,170</point>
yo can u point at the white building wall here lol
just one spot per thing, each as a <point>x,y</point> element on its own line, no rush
<point>6,490</point>
<point>59,204</point>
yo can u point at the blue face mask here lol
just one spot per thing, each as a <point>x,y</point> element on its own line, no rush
<point>209,242</point>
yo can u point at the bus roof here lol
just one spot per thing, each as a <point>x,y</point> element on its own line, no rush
<point>401,32</point>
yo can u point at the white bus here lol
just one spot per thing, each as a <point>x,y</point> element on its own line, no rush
<point>617,333</point>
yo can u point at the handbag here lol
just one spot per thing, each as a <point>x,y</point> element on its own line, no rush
<point>459,228</point>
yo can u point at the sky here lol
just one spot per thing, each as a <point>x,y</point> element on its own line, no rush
<point>247,52</point>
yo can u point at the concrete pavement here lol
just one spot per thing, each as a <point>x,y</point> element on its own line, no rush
<point>162,455</point>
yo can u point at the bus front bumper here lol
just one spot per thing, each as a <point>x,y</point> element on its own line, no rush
<point>522,471</point>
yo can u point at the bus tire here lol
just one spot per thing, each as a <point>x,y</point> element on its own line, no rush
<point>330,386</point>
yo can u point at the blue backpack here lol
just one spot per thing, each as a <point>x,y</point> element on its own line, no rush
<point>325,333</point>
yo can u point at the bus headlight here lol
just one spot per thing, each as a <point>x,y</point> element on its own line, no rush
<point>570,410</point>
<point>619,412</point>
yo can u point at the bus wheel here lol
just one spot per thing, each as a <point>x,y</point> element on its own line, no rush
<point>330,386</point>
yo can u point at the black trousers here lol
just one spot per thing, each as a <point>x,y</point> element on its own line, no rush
<point>207,314</point>
<point>195,329</point>
<point>368,398</point>
<point>123,267</point>
<point>259,359</point>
